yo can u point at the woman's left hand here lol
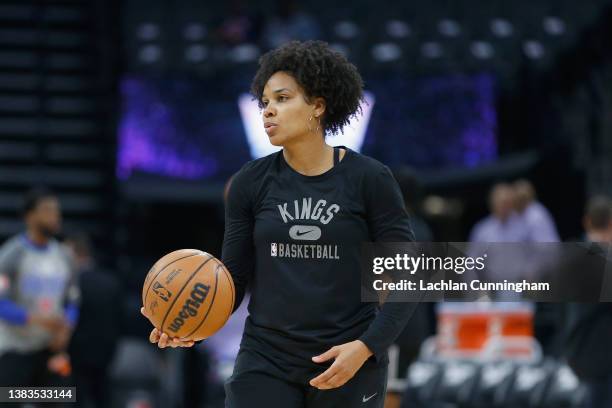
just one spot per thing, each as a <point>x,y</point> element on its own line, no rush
<point>348,359</point>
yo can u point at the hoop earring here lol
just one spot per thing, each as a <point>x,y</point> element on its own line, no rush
<point>318,128</point>
<point>309,124</point>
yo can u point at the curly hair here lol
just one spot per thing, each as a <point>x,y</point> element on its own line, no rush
<point>321,72</point>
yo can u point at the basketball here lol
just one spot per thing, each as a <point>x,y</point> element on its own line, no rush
<point>188,294</point>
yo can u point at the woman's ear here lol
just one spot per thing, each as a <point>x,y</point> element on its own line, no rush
<point>319,107</point>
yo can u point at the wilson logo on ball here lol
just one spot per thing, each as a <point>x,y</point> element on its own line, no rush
<point>191,306</point>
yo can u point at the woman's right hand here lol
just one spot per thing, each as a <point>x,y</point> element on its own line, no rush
<point>163,340</point>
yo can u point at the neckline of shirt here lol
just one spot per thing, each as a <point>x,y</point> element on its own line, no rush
<point>33,245</point>
<point>348,153</point>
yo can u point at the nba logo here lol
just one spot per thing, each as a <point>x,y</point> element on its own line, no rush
<point>273,249</point>
<point>162,292</point>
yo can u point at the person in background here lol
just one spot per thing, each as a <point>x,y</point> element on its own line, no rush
<point>101,307</point>
<point>537,219</point>
<point>503,224</point>
<point>38,298</point>
<point>539,226</point>
<point>589,325</point>
<point>597,221</point>
<point>493,235</point>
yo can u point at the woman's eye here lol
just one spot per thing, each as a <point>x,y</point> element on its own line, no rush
<point>282,98</point>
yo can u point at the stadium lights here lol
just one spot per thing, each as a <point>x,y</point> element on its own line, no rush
<point>398,29</point>
<point>346,29</point>
<point>196,53</point>
<point>244,53</point>
<point>449,28</point>
<point>502,28</point>
<point>194,32</point>
<point>482,49</point>
<point>386,52</point>
<point>148,31</point>
<point>150,53</point>
<point>341,48</point>
<point>554,25</point>
<point>431,49</point>
<point>533,49</point>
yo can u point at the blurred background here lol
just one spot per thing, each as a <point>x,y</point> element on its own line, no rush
<point>135,113</point>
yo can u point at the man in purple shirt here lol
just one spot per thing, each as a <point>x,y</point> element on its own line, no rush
<point>502,225</point>
<point>538,221</point>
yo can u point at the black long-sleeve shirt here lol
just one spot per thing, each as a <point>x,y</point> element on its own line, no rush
<point>297,241</point>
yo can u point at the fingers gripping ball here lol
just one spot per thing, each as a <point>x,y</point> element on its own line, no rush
<point>188,294</point>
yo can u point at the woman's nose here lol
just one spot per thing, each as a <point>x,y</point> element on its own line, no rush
<point>267,112</point>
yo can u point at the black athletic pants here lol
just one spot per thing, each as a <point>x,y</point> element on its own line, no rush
<point>255,385</point>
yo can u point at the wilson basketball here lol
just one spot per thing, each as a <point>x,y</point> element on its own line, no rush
<point>188,294</point>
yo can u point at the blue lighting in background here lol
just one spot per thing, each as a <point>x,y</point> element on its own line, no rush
<point>433,123</point>
<point>192,129</point>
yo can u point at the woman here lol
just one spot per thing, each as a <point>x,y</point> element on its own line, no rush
<point>295,222</point>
